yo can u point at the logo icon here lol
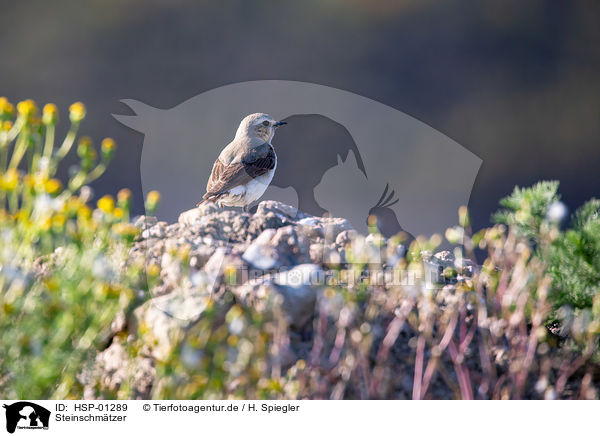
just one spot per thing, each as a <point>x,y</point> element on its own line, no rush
<point>340,153</point>
<point>26,415</point>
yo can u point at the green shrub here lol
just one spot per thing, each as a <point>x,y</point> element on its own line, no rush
<point>526,209</point>
<point>572,255</point>
<point>575,259</point>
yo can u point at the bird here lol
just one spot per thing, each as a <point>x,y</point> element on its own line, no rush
<point>246,166</point>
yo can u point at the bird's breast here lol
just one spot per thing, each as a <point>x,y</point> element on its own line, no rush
<point>257,187</point>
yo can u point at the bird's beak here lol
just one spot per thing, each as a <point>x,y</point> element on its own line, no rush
<point>279,123</point>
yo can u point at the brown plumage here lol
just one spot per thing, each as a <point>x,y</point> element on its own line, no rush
<point>244,169</point>
<point>254,163</point>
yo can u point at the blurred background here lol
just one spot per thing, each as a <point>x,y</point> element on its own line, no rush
<point>517,83</point>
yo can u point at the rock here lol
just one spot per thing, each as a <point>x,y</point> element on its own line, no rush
<point>164,319</point>
<point>316,253</point>
<point>328,228</point>
<point>443,267</point>
<point>279,208</point>
<point>294,290</point>
<point>345,237</point>
<point>201,255</point>
<point>444,258</point>
<point>365,250</point>
<point>322,253</point>
<point>277,248</point>
<point>112,369</point>
<point>191,217</point>
<point>260,254</point>
<point>144,222</point>
<point>223,259</point>
<point>334,226</point>
<point>212,256</point>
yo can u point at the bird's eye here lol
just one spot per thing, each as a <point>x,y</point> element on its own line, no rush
<point>265,123</point>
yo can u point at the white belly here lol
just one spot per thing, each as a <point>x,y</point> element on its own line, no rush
<point>257,187</point>
<point>243,195</point>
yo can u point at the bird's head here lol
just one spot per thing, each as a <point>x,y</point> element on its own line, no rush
<point>259,125</point>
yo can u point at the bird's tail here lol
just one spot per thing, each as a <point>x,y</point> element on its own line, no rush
<point>208,198</point>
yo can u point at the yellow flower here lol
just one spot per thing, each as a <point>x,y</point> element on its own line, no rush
<point>463,216</point>
<point>73,204</point>
<point>152,200</point>
<point>124,199</point>
<point>153,270</point>
<point>58,221</point>
<point>108,146</point>
<point>50,114</point>
<point>153,197</point>
<point>6,108</point>
<point>232,340</point>
<point>10,180</point>
<point>53,186</point>
<point>183,252</point>
<point>125,229</point>
<point>51,284</point>
<point>118,212</point>
<point>77,112</point>
<point>230,272</point>
<point>85,148</point>
<point>84,212</point>
<point>22,216</point>
<point>7,125</point>
<point>45,224</point>
<point>106,204</point>
<point>108,290</point>
<point>27,108</point>
<point>124,195</point>
<point>39,180</point>
<point>28,181</point>
<point>8,308</point>
<point>372,220</point>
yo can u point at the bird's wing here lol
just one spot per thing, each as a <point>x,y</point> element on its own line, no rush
<point>254,163</point>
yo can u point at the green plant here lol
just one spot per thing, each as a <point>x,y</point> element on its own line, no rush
<point>526,209</point>
<point>573,255</point>
<point>574,261</point>
<point>62,279</point>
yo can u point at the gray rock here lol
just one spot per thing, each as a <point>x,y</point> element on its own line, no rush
<point>260,254</point>
<point>222,249</point>
<point>112,369</point>
<point>279,208</point>
<point>165,318</point>
<point>277,248</point>
<point>295,291</point>
<point>345,237</point>
<point>201,254</point>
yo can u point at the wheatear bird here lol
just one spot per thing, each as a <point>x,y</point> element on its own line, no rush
<point>244,169</point>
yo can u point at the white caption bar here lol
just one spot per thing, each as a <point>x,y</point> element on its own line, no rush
<point>296,417</point>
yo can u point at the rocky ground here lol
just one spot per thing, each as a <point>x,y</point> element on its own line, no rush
<point>252,259</point>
